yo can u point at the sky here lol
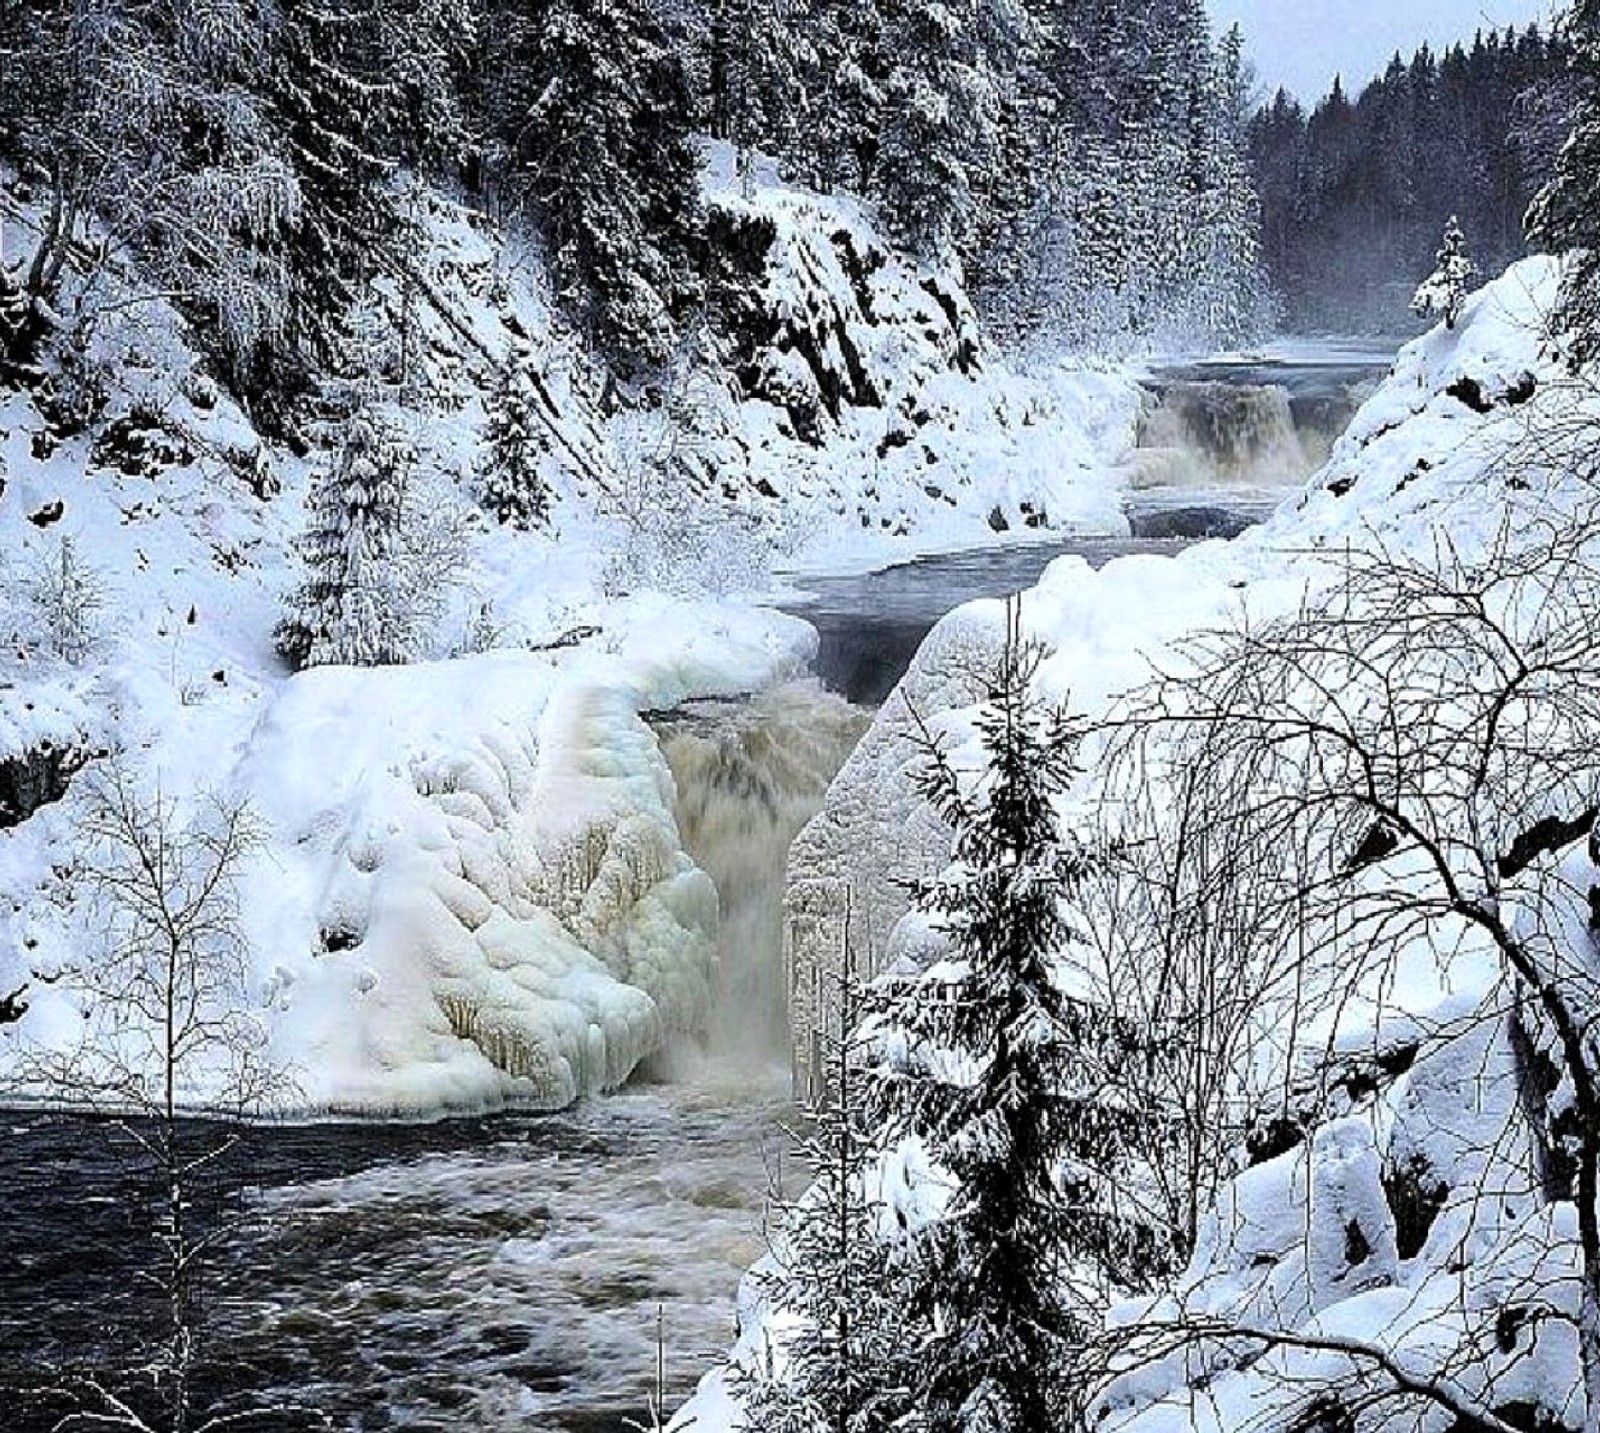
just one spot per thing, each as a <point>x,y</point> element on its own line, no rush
<point>1302,44</point>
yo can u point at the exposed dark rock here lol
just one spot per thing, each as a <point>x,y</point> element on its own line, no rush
<point>35,778</point>
<point>1357,1247</point>
<point>1470,392</point>
<point>1522,390</point>
<point>1415,1195</point>
<point>966,353</point>
<point>1268,1140</point>
<point>1191,524</point>
<point>1377,845</point>
<point>1526,1416</point>
<point>13,1007</point>
<point>48,515</point>
<point>337,938</point>
<point>1545,838</point>
<point>1325,1414</point>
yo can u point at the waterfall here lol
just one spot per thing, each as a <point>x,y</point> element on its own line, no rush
<point>1220,433</point>
<point>1216,432</point>
<point>748,776</point>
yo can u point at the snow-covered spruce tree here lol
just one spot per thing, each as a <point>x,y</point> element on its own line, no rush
<point>344,610</point>
<point>998,1074</point>
<point>1565,218</point>
<point>593,108</point>
<point>1443,293</point>
<point>754,66</point>
<point>511,485</point>
<point>147,123</point>
<point>1230,299</point>
<point>361,87</point>
<point>335,116</point>
<point>843,68</point>
<point>844,1361</point>
<point>940,125</point>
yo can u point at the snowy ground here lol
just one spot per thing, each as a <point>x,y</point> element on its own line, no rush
<point>472,891</point>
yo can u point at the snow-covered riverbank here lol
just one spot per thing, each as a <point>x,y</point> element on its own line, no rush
<point>472,890</point>
<point>1422,472</point>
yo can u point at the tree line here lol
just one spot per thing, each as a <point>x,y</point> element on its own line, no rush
<point>254,156</point>
<point>1356,192</point>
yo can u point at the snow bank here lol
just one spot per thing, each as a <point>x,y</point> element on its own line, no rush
<point>472,890</point>
<point>476,892</point>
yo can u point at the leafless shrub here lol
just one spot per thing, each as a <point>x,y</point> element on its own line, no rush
<point>168,1032</point>
<point>1304,808</point>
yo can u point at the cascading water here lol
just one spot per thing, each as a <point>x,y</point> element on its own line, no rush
<point>1212,426</point>
<point>749,775</point>
<point>505,1274</point>
<point>1209,433</point>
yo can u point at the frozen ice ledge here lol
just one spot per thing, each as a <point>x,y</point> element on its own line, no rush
<point>473,893</point>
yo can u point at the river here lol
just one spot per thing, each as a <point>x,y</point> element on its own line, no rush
<point>480,1276</point>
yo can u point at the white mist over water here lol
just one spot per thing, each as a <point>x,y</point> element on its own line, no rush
<point>749,776</point>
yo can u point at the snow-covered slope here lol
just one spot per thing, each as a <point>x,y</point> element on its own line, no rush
<point>875,408</point>
<point>1417,462</point>
<point>1432,1170</point>
<point>472,889</point>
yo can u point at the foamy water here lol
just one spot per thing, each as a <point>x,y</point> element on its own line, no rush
<point>516,1285</point>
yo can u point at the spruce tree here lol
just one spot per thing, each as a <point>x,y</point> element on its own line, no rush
<point>334,113</point>
<point>344,612</point>
<point>1566,218</point>
<point>844,66</point>
<point>595,110</point>
<point>512,485</point>
<point>1000,1075</point>
<point>1444,292</point>
<point>847,1353</point>
<point>940,118</point>
<point>361,87</point>
<point>755,62</point>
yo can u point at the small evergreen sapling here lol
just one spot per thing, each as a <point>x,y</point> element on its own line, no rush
<point>512,487</point>
<point>844,1365</point>
<point>1444,292</point>
<point>342,613</point>
<point>1565,217</point>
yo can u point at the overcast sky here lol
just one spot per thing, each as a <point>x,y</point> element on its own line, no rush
<point>1303,43</point>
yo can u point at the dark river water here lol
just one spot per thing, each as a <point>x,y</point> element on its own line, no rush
<point>492,1274</point>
